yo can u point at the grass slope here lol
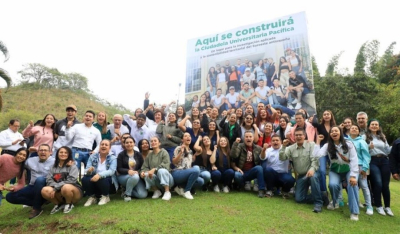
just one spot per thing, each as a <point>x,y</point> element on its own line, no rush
<point>27,102</point>
<point>209,212</point>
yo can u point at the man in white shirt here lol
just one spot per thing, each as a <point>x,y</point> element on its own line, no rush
<point>10,139</point>
<point>276,171</point>
<point>139,130</point>
<point>83,136</point>
<point>278,93</point>
<point>246,95</point>
<point>232,99</point>
<point>218,100</point>
<point>263,93</point>
<point>248,77</point>
<point>117,129</point>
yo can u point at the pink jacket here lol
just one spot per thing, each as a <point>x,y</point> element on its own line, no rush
<point>310,131</point>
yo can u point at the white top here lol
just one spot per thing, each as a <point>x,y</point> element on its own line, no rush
<point>152,126</point>
<point>293,61</point>
<point>217,100</point>
<point>101,166</point>
<point>272,157</point>
<point>83,136</point>
<point>137,133</point>
<point>248,79</point>
<point>232,98</point>
<point>262,92</point>
<point>221,77</point>
<point>122,130</point>
<point>7,137</point>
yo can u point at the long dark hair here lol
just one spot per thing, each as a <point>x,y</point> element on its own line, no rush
<point>69,151</point>
<point>265,135</point>
<point>22,166</point>
<point>332,122</point>
<point>221,154</point>
<point>280,64</point>
<point>204,151</point>
<point>282,131</point>
<point>331,145</point>
<point>183,114</point>
<point>53,126</point>
<point>244,121</point>
<point>379,133</point>
<point>140,145</point>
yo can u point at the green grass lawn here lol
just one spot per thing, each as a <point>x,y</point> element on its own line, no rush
<point>209,212</point>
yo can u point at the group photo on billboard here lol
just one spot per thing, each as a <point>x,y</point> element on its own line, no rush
<point>268,62</point>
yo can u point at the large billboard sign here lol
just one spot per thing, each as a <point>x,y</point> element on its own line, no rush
<point>275,51</point>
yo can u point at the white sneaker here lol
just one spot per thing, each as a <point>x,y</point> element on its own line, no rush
<point>354,217</point>
<point>247,186</point>
<point>25,206</point>
<point>290,106</point>
<point>360,205</point>
<point>156,194</point>
<point>188,195</point>
<point>216,188</point>
<point>179,191</point>
<point>92,200</point>
<point>389,211</point>
<point>370,210</point>
<point>167,196</point>
<point>380,210</point>
<point>291,190</point>
<point>295,101</point>
<point>331,207</point>
<point>255,188</point>
<point>298,106</point>
<point>104,200</point>
<point>225,189</point>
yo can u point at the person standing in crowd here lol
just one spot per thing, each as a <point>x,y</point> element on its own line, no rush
<point>248,77</point>
<point>230,129</point>
<point>212,80</point>
<point>117,129</point>
<point>31,194</point>
<point>222,79</point>
<point>247,162</point>
<point>11,167</point>
<point>129,163</point>
<point>306,166</point>
<point>259,71</point>
<point>346,125</point>
<point>100,175</point>
<point>296,63</point>
<point>301,123</point>
<point>271,71</point>
<point>155,171</point>
<point>394,158</point>
<point>43,134</point>
<point>323,127</point>
<point>83,136</point>
<point>185,175</point>
<point>276,172</point>
<point>170,134</point>
<point>284,68</point>
<point>264,116</point>
<point>139,130</point>
<point>362,120</point>
<point>101,124</point>
<point>284,127</point>
<point>344,165</point>
<point>62,186</point>
<point>379,166</point>
<point>221,166</point>
<point>10,139</point>
<point>234,78</point>
<point>249,124</point>
<point>61,126</point>
<point>363,163</point>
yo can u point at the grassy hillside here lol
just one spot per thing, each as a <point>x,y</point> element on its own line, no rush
<point>28,102</point>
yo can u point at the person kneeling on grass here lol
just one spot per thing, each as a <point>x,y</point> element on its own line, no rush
<point>129,163</point>
<point>247,156</point>
<point>100,175</point>
<point>185,176</point>
<point>306,165</point>
<point>276,171</point>
<point>63,188</point>
<point>344,164</point>
<point>155,171</point>
<point>31,194</point>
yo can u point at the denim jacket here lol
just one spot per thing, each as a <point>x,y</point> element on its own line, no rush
<point>111,165</point>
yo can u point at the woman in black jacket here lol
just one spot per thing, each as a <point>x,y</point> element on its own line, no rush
<point>129,163</point>
<point>230,129</point>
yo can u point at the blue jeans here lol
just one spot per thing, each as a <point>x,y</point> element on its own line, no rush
<point>30,195</point>
<point>335,183</point>
<point>254,173</point>
<point>188,178</point>
<point>275,179</point>
<point>322,172</point>
<point>205,175</point>
<point>302,185</point>
<point>134,186</point>
<point>99,188</point>
<point>278,100</point>
<point>380,178</point>
<point>225,175</point>
<point>363,185</point>
<point>1,196</point>
<point>286,110</point>
<point>170,151</point>
<point>160,179</point>
<point>82,158</point>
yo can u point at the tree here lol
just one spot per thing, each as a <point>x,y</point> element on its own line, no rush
<point>314,67</point>
<point>332,68</point>
<point>3,73</point>
<point>36,72</point>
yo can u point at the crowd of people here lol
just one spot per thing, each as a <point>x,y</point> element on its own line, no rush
<point>158,151</point>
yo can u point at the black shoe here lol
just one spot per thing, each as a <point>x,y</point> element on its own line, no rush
<point>317,209</point>
<point>261,193</point>
<point>35,213</point>
<point>325,200</point>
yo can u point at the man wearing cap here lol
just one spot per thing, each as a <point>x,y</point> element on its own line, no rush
<point>117,129</point>
<point>61,126</point>
<point>232,99</point>
<point>248,77</point>
<point>246,94</point>
<point>263,93</point>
